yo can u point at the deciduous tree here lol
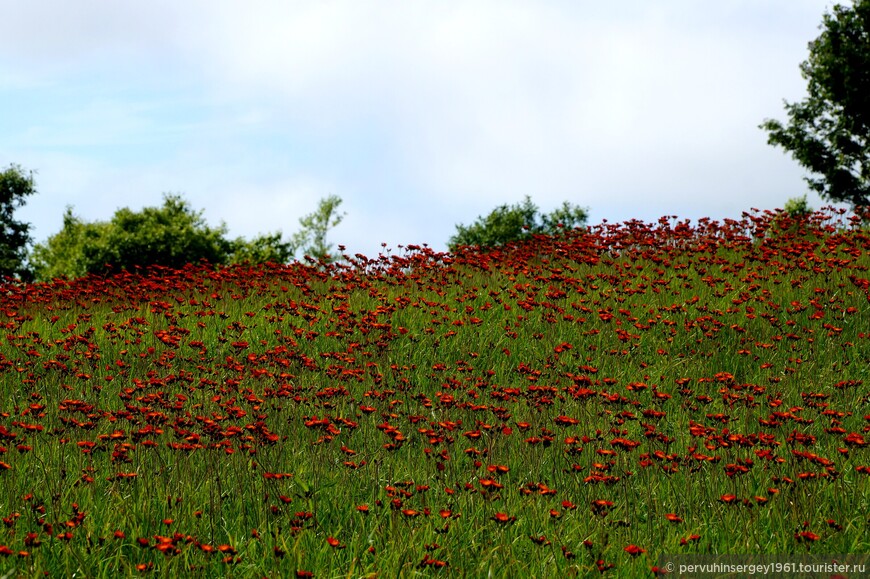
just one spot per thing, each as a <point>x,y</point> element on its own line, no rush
<point>15,186</point>
<point>311,238</point>
<point>171,235</point>
<point>829,131</point>
<point>509,223</point>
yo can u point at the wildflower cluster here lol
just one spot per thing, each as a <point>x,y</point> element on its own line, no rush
<point>569,404</point>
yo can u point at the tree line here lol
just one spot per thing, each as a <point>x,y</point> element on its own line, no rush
<point>174,234</point>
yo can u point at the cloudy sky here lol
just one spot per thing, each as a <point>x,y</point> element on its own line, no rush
<point>418,114</point>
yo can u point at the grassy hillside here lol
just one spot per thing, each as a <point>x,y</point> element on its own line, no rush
<point>563,407</point>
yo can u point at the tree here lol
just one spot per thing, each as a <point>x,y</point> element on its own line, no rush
<point>264,248</point>
<point>311,238</point>
<point>508,223</point>
<point>797,207</point>
<point>829,131</point>
<point>15,186</point>
<point>72,252</point>
<point>171,235</point>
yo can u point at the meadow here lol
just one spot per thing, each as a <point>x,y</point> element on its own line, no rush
<point>568,406</point>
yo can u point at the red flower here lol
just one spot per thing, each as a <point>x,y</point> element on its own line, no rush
<point>600,506</point>
<point>566,421</point>
<point>503,518</point>
<point>806,536</point>
<point>334,543</point>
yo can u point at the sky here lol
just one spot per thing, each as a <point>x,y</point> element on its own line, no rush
<point>419,114</point>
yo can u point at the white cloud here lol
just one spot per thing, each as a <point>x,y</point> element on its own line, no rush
<point>634,109</point>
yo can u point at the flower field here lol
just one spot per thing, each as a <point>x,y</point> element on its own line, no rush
<point>564,407</point>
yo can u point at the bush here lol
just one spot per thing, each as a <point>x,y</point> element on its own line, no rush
<point>510,223</point>
<point>797,207</point>
<point>171,235</point>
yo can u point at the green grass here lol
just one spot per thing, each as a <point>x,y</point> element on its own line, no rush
<point>158,408</point>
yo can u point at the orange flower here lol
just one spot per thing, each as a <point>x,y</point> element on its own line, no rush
<point>334,543</point>
<point>806,536</point>
<point>503,518</point>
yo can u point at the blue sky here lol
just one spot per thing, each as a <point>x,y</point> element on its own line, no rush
<point>418,114</point>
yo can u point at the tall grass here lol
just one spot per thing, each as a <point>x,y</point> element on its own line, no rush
<point>565,407</point>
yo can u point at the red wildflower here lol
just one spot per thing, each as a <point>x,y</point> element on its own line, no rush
<point>690,538</point>
<point>503,518</point>
<point>334,543</point>
<point>806,536</point>
<point>600,506</point>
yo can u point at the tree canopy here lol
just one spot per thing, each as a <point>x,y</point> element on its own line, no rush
<point>311,237</point>
<point>15,186</point>
<point>829,131</point>
<point>171,235</point>
<point>510,223</point>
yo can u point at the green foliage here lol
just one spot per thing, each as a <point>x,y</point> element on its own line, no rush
<point>265,248</point>
<point>311,238</point>
<point>15,186</point>
<point>509,223</point>
<point>171,235</point>
<point>797,207</point>
<point>69,252</point>
<point>829,132</point>
<point>566,216</point>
